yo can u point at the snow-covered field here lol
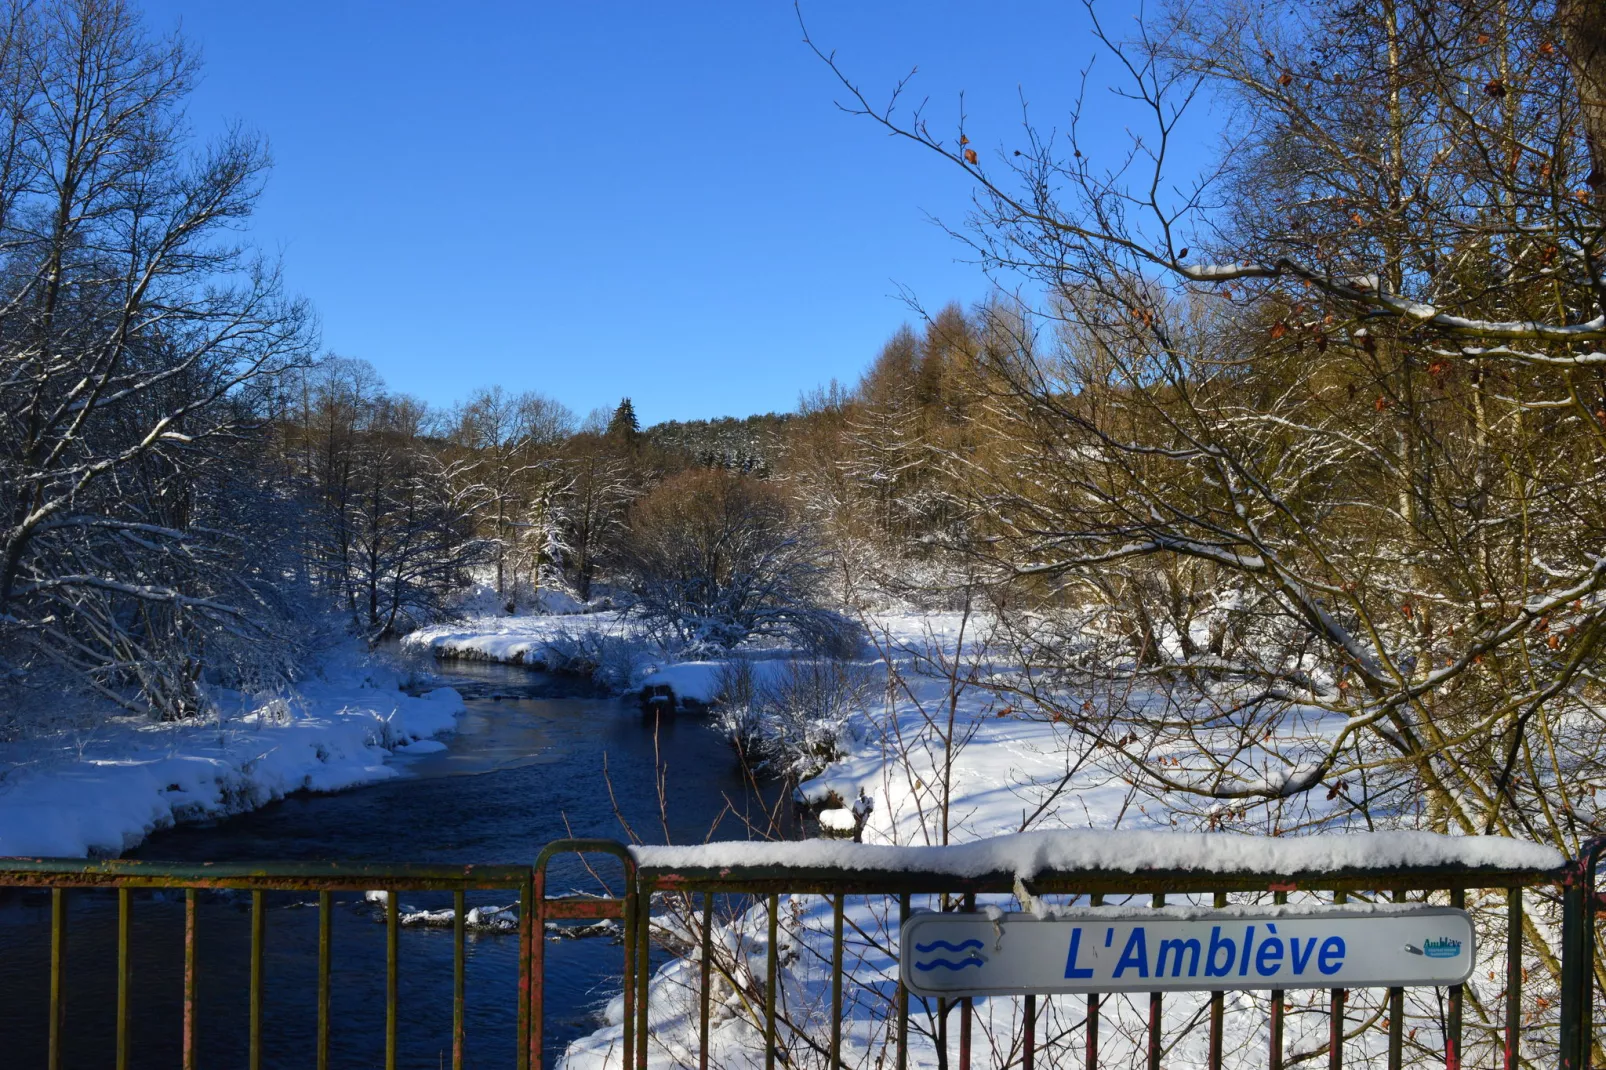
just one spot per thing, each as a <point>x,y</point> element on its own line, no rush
<point>102,791</point>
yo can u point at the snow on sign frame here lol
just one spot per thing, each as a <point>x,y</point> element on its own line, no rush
<point>1115,949</point>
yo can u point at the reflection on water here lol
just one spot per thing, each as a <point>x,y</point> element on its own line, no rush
<point>533,761</point>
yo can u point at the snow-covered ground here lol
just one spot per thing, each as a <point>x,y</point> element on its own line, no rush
<point>101,791</point>
<point>609,645</point>
<point>933,761</point>
<point>938,759</point>
<point>515,640</point>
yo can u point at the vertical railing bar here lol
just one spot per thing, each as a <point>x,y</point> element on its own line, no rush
<point>1586,976</point>
<point>1097,899</point>
<point>532,986</point>
<point>1452,1039</point>
<point>255,995</point>
<point>459,939</point>
<point>629,1039</point>
<point>1028,1053</point>
<point>903,993</point>
<point>770,970</point>
<point>124,909</point>
<point>1155,1009</point>
<point>1397,1015</point>
<point>1278,1007</point>
<point>190,1023</point>
<point>392,954</point>
<point>1218,1006</point>
<point>1513,976</point>
<point>58,974</point>
<point>705,992</point>
<point>325,952</point>
<point>527,934</point>
<point>643,973</point>
<point>966,1005</point>
<point>836,982</point>
<point>1571,1044</point>
<point>943,1005</point>
<point>1335,1014</point>
<point>1576,1042</point>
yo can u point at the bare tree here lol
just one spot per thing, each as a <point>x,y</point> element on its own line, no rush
<point>412,532</point>
<point>134,330</point>
<point>1362,399</point>
<point>593,506</point>
<point>511,441</point>
<point>716,557</point>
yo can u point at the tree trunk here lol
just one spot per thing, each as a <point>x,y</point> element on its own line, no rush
<point>1583,28</point>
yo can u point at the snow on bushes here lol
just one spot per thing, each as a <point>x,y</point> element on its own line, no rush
<point>789,717</point>
<point>716,558</point>
<point>604,646</point>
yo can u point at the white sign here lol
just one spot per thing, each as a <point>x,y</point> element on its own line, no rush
<point>1122,950</point>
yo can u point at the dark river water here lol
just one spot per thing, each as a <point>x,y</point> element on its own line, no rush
<point>531,762</point>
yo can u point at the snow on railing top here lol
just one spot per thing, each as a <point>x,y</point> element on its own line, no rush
<point>1028,854</point>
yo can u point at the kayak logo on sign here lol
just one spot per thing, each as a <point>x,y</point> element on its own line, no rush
<point>1441,947</point>
<point>969,952</point>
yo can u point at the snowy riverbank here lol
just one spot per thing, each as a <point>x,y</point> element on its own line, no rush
<point>606,645</point>
<point>1002,770</point>
<point>939,758</point>
<point>102,791</point>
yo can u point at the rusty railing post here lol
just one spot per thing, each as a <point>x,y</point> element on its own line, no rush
<point>1578,958</point>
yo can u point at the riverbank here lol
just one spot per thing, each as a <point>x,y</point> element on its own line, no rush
<point>605,646</point>
<point>100,790</point>
<point>990,763</point>
<point>936,757</point>
<point>535,757</point>
<point>930,753</point>
<point>535,641</point>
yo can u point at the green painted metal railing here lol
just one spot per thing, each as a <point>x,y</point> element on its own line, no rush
<point>699,890</point>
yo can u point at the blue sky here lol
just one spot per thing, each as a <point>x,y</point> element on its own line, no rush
<point>594,199</point>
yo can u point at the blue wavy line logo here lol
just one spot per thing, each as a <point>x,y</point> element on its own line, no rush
<point>947,965</point>
<point>946,946</point>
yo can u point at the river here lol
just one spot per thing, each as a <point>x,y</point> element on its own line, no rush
<point>531,762</point>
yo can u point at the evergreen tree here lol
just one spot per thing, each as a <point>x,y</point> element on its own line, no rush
<point>624,423</point>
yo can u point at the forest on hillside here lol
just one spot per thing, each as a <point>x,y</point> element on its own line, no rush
<point>1312,438</point>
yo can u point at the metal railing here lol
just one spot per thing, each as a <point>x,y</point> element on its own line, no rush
<point>1574,885</point>
<point>61,876</point>
<point>1521,902</point>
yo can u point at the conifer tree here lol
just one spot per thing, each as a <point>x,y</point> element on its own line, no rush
<point>624,423</point>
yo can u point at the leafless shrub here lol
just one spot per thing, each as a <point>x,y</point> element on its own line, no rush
<point>789,717</point>
<point>716,558</point>
<point>612,660</point>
